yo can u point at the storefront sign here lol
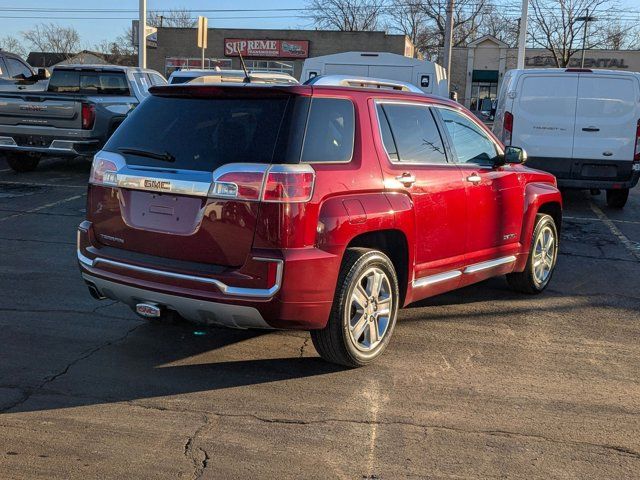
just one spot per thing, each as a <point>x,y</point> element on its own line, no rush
<point>576,61</point>
<point>266,48</point>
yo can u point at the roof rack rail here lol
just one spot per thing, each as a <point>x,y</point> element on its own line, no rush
<point>362,82</point>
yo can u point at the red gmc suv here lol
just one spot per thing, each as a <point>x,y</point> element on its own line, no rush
<point>316,207</point>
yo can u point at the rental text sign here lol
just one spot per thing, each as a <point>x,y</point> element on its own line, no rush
<point>266,48</point>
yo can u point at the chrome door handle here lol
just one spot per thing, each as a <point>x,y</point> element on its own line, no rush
<point>407,179</point>
<point>474,178</point>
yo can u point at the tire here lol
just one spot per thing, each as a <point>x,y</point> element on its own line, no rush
<point>336,343</point>
<point>535,278</point>
<point>22,162</point>
<point>617,198</point>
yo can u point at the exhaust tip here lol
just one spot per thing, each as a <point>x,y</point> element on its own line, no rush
<point>94,292</point>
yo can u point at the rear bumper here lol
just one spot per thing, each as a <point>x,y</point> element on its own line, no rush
<point>583,173</point>
<point>58,147</point>
<point>290,288</point>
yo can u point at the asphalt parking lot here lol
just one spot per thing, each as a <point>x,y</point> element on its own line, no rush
<point>477,383</point>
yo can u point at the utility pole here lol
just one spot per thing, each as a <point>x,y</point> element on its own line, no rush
<point>448,37</point>
<point>142,35</point>
<point>522,33</point>
<point>586,19</point>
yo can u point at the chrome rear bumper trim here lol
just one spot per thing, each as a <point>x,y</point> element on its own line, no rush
<point>223,287</point>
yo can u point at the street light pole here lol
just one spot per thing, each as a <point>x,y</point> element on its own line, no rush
<point>142,35</point>
<point>522,34</point>
<point>448,37</point>
<point>586,19</point>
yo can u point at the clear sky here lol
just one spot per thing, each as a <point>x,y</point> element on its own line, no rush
<point>103,26</point>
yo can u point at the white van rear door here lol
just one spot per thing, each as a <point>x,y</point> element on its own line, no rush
<point>544,119</point>
<point>341,69</point>
<point>606,117</point>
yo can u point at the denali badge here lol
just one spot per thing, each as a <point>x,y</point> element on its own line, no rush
<point>148,310</point>
<point>157,185</point>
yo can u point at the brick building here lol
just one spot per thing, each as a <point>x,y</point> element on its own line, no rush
<point>478,68</point>
<point>275,50</point>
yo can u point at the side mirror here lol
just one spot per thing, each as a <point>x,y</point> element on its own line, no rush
<point>43,74</point>
<point>514,155</point>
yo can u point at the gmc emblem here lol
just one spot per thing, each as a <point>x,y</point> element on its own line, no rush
<point>157,185</point>
<point>33,108</point>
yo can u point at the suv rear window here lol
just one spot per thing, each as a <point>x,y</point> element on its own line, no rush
<point>201,133</point>
<point>330,131</point>
<point>75,81</point>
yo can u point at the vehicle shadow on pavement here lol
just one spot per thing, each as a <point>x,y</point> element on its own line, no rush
<point>166,360</point>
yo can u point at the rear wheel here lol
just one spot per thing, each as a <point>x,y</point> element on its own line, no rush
<point>364,310</point>
<point>617,198</point>
<point>22,162</point>
<point>542,258</point>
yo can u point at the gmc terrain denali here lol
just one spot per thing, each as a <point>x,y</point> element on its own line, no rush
<point>322,207</point>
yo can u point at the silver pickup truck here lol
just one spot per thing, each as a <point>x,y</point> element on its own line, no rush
<point>82,106</point>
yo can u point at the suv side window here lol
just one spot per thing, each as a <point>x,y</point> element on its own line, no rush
<point>16,67</point>
<point>3,69</point>
<point>330,131</point>
<point>411,134</point>
<point>470,143</point>
<point>157,79</point>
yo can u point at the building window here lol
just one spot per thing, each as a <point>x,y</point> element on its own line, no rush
<point>484,90</point>
<point>270,66</point>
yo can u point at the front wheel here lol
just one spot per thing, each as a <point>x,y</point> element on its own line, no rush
<point>617,198</point>
<point>22,162</point>
<point>543,256</point>
<point>364,312</point>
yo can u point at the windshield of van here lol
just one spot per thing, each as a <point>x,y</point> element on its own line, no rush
<point>200,133</point>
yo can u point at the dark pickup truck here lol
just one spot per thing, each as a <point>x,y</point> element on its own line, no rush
<point>82,106</point>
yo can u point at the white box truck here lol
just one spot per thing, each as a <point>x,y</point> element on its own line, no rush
<point>581,125</point>
<point>428,76</point>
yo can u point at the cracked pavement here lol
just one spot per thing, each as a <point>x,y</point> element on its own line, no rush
<point>478,383</point>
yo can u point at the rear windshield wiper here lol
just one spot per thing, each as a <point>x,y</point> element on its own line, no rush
<point>165,156</point>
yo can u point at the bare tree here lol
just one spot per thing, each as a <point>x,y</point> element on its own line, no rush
<point>614,35</point>
<point>180,18</point>
<point>346,15</point>
<point>498,25</point>
<point>554,25</point>
<point>13,45</point>
<point>466,18</point>
<point>49,37</point>
<point>408,17</point>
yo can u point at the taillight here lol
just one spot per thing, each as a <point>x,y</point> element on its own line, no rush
<point>104,169</point>
<point>288,185</point>
<point>636,151</point>
<point>88,116</point>
<point>239,185</point>
<point>255,182</point>
<point>507,128</point>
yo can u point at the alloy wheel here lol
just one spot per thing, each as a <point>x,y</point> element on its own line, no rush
<point>369,310</point>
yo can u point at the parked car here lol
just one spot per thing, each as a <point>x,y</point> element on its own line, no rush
<point>239,76</point>
<point>428,76</point>
<point>339,206</point>
<point>82,107</point>
<point>16,74</point>
<point>581,125</point>
<point>228,76</point>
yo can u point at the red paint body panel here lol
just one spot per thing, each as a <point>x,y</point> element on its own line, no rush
<point>446,223</point>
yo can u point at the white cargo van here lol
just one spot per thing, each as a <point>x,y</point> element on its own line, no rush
<point>428,76</point>
<point>581,125</point>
